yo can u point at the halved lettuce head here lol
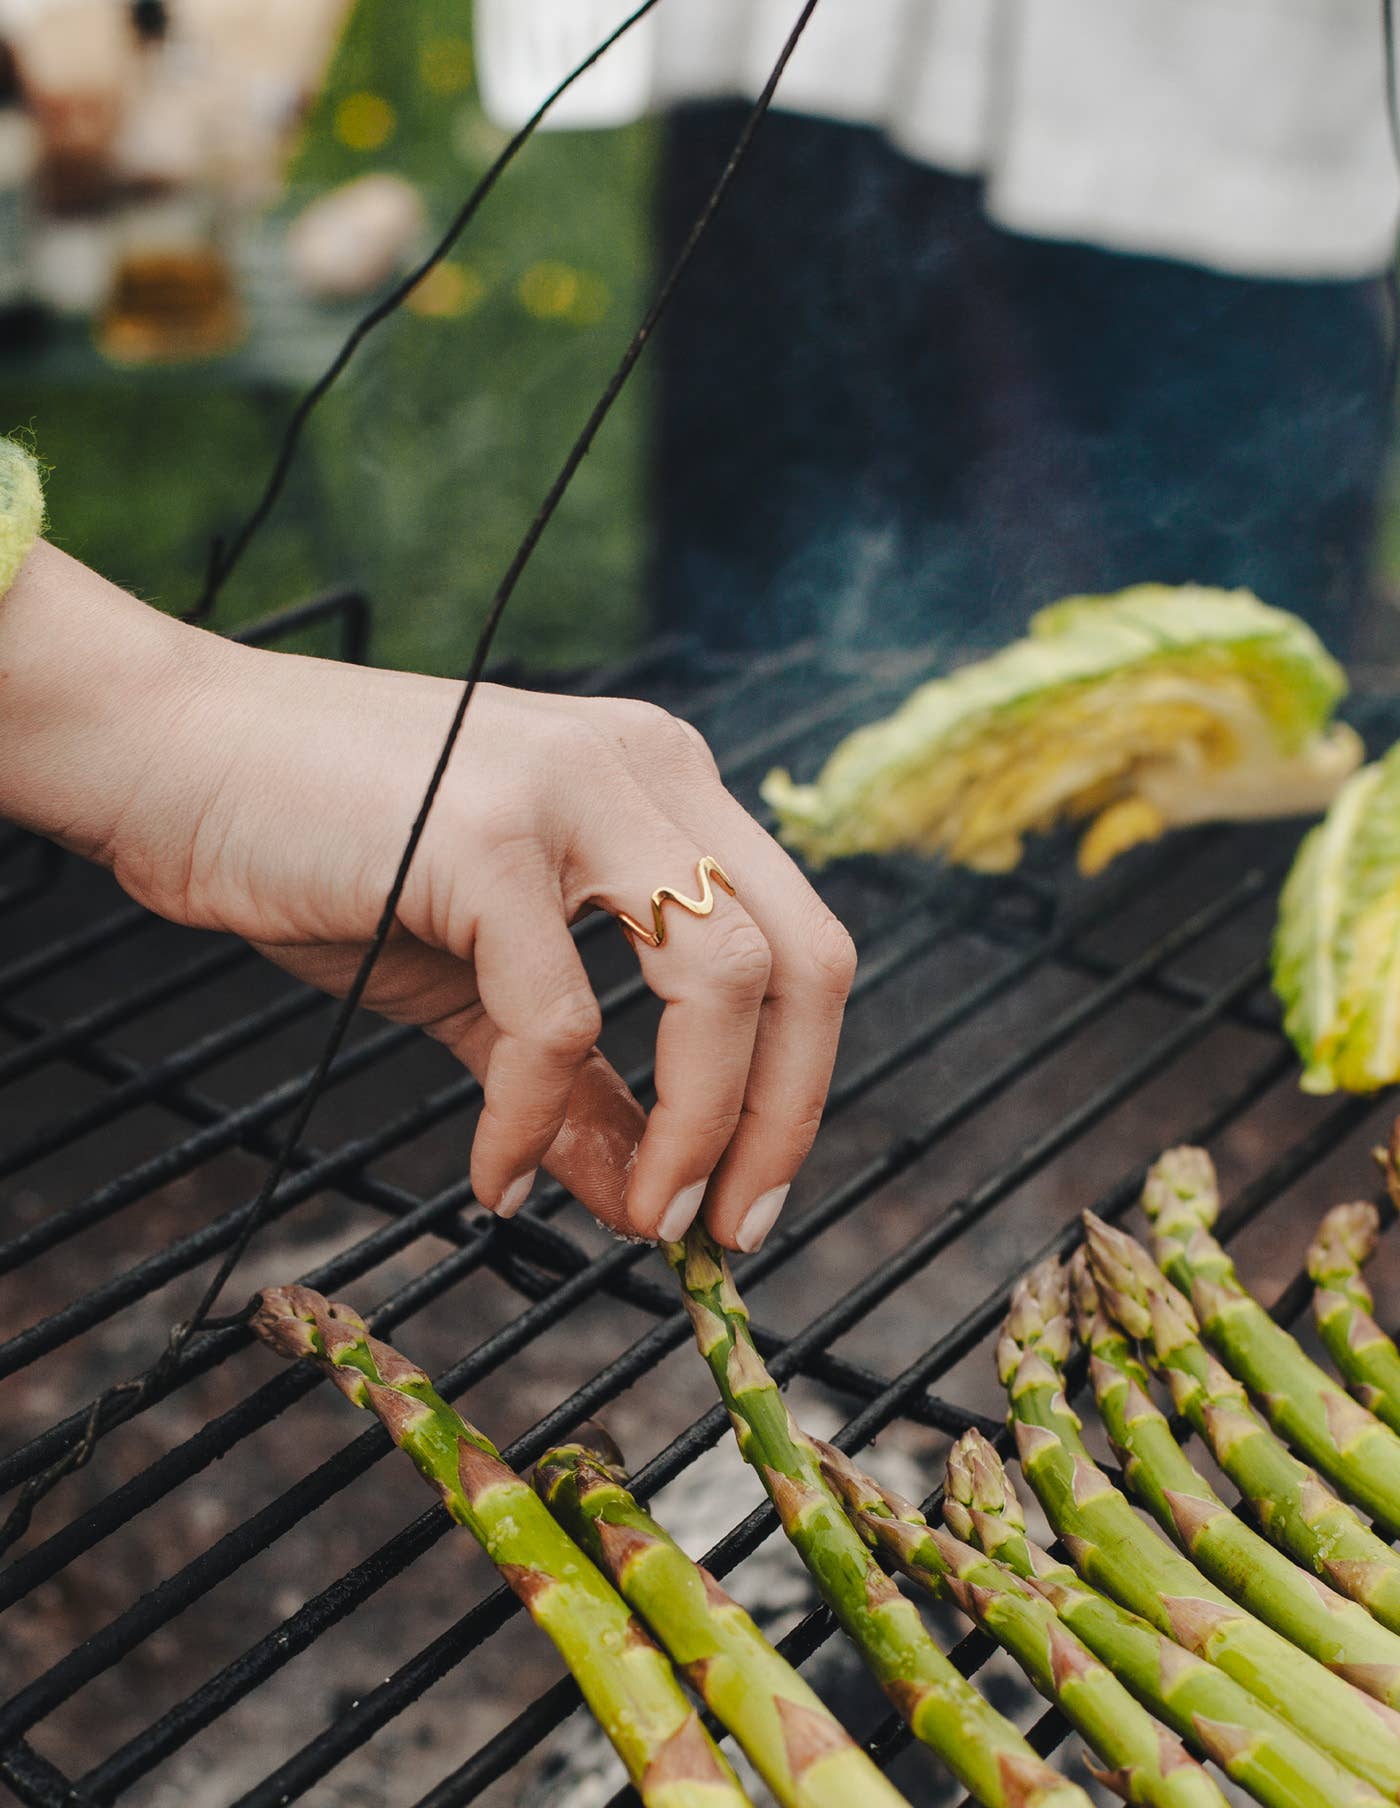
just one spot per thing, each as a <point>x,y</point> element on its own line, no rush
<point>1139,711</point>
<point>1337,943</point>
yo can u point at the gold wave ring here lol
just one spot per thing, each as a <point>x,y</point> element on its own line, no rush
<point>707,869</point>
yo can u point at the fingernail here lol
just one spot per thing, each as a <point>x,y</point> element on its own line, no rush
<point>759,1219</point>
<point>516,1194</point>
<point>679,1215</point>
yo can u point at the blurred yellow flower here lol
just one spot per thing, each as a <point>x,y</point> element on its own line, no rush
<point>445,65</point>
<point>448,291</point>
<point>364,121</point>
<point>555,291</point>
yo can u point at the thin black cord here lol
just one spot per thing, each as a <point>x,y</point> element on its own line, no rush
<point>221,564</point>
<point>126,1399</point>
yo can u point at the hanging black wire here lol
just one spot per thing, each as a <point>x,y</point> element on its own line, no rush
<point>222,562</point>
<point>126,1399</point>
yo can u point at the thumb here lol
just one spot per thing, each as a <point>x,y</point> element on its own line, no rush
<point>593,1153</point>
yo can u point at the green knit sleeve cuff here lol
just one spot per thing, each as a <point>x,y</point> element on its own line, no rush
<point>21,509</point>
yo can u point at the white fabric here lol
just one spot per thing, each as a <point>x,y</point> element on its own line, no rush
<point>1248,135</point>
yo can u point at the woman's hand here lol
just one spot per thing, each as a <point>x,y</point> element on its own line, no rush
<point>270,795</point>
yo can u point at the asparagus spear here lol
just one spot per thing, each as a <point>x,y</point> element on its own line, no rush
<point>1113,1549</point>
<point>1334,1630</point>
<point>798,1747</point>
<point>942,1708</point>
<point>1211,1711</point>
<point>1293,1505</point>
<point>1351,1447</point>
<point>625,1680</point>
<point>1144,1762</point>
<point>1366,1358</point>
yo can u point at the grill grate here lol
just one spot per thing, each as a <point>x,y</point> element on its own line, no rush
<point>1016,1049</point>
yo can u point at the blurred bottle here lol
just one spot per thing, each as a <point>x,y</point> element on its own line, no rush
<point>173,291</point>
<point>20,315</point>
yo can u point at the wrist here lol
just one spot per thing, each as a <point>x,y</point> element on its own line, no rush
<point>95,688</point>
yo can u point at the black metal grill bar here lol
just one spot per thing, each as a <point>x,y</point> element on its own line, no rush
<point>217,1138</point>
<point>506,1748</point>
<point>204,1572</point>
<point>214,1440</point>
<point>62,955</point>
<point>214,1565</point>
<point>106,1064</point>
<point>857,1303</point>
<point>833,1371</point>
<point>213,1347</point>
<point>653,1345</point>
<point>1339,1124</point>
<point>886,966</point>
<point>121,1633</point>
<point>296,1633</point>
<point>1255,1012</point>
<point>34,1779</point>
<point>859,1432</point>
<point>258,1409</point>
<point>45,864</point>
<point>187,1252</point>
<point>114,1012</point>
<point>136,1084</point>
<point>554,1275</point>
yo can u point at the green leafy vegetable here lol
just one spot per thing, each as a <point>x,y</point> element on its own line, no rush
<point>1144,710</point>
<point>1337,945</point>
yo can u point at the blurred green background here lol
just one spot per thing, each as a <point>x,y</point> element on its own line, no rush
<point>423,467</point>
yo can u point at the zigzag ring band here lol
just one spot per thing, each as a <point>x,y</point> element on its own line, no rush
<point>655,937</point>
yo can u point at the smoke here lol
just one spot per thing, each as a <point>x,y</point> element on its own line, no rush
<point>884,422</point>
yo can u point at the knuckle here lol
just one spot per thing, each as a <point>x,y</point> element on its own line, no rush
<point>741,958</point>
<point>710,1129</point>
<point>792,1132</point>
<point>689,741</point>
<point>659,734</point>
<point>568,1025</point>
<point>832,954</point>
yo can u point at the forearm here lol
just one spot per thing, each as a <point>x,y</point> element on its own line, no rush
<point>92,683</point>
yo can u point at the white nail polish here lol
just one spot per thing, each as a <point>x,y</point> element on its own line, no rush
<point>759,1219</point>
<point>516,1194</point>
<point>679,1215</point>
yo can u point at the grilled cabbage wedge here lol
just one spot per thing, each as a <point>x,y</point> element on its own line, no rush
<point>1155,707</point>
<point>1337,943</point>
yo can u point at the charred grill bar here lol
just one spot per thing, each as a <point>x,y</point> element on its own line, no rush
<point>1017,1049</point>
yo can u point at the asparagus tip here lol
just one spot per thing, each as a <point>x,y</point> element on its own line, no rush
<point>298,1321</point>
<point>1345,1241</point>
<point>1181,1187</point>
